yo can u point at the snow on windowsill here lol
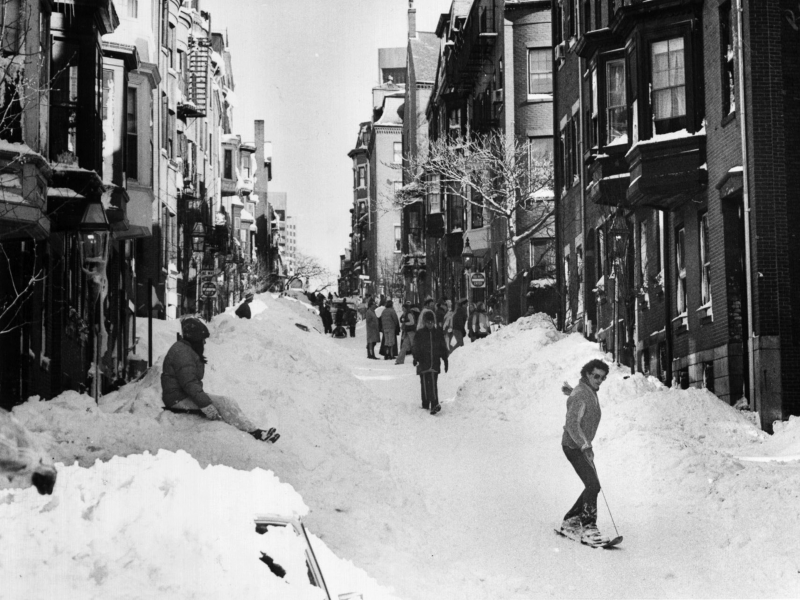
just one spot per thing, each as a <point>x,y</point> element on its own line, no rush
<point>664,137</point>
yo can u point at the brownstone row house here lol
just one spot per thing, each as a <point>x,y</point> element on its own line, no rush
<point>111,163</point>
<point>676,219</point>
<point>485,71</point>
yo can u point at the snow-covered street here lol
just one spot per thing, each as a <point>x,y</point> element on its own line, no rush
<point>401,504</point>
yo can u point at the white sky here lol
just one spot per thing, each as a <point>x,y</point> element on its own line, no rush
<point>307,68</point>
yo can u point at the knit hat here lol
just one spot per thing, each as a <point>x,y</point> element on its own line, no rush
<point>194,330</point>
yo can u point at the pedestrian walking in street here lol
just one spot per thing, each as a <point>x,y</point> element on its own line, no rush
<point>390,325</point>
<point>243,311</point>
<point>459,324</point>
<point>441,311</point>
<point>408,326</point>
<point>429,352</point>
<point>327,318</point>
<point>447,323</point>
<point>428,307</point>
<point>182,384</point>
<point>583,418</point>
<point>479,322</point>
<point>373,330</point>
<point>352,318</point>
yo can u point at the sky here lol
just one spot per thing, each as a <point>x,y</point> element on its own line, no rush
<point>307,67</point>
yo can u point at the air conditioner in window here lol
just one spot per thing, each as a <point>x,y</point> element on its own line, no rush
<point>497,96</point>
<point>560,51</point>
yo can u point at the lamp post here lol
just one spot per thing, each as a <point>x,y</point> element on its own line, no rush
<point>94,232</point>
<point>468,258</point>
<point>198,248</point>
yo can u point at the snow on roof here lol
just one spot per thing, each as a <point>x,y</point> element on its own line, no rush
<point>390,116</point>
<point>245,215</point>
<point>425,56</point>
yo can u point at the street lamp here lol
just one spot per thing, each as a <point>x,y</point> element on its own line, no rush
<point>198,237</point>
<point>467,256</point>
<point>94,232</point>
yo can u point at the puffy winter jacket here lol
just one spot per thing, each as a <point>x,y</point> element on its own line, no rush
<point>182,376</point>
<point>429,350</point>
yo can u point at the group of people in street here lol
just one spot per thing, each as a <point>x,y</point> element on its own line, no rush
<point>337,324</point>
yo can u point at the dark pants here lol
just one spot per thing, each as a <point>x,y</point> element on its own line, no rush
<point>429,384</point>
<point>353,330</point>
<point>328,329</point>
<point>371,350</point>
<point>586,505</point>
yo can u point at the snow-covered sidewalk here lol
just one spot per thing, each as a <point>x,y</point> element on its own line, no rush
<point>460,505</point>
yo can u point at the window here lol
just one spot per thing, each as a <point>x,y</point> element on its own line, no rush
<point>594,112</point>
<point>542,258</point>
<point>362,177</point>
<point>132,136</point>
<point>540,71</point>
<point>398,238</point>
<point>643,253</point>
<point>616,111</point>
<point>540,153</point>
<point>133,8</point>
<point>567,308</point>
<point>476,211</point>
<point>171,131</point>
<point>680,270</point>
<point>575,159</point>
<point>228,167</point>
<point>398,153</point>
<point>171,45</point>
<point>705,261</point>
<point>434,195</point>
<point>601,252</point>
<point>164,121</point>
<point>669,85</point>
<point>727,52</point>
<point>64,99</point>
<point>165,23</point>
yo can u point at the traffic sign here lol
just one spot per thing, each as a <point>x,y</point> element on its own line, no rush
<point>478,280</point>
<point>207,273</point>
<point>208,289</point>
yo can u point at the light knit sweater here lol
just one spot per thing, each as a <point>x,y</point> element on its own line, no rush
<point>583,417</point>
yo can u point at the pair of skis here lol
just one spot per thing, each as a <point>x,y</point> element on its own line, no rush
<point>577,537</point>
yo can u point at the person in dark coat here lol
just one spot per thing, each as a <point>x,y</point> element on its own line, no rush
<point>390,325</point>
<point>460,324</point>
<point>441,311</point>
<point>327,318</point>
<point>243,312</point>
<point>182,384</point>
<point>352,319</point>
<point>373,330</point>
<point>430,350</point>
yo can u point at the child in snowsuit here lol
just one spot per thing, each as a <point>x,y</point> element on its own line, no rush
<point>429,350</point>
<point>182,384</point>
<point>583,417</point>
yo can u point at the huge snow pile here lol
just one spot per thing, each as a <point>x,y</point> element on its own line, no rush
<point>461,505</point>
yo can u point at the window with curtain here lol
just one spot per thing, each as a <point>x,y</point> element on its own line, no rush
<point>434,195</point>
<point>132,135</point>
<point>669,85</point>
<point>680,271</point>
<point>540,71</point>
<point>705,261</point>
<point>727,55</point>
<point>616,109</point>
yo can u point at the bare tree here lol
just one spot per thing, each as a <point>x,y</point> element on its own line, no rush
<point>501,176</point>
<point>308,267</point>
<point>390,275</point>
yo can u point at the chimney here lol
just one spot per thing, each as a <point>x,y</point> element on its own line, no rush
<point>412,20</point>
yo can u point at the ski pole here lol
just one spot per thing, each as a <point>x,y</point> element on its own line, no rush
<point>605,500</point>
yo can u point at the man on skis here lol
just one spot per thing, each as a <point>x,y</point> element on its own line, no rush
<point>583,417</point>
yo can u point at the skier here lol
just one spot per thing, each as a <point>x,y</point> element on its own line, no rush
<point>21,456</point>
<point>429,350</point>
<point>583,417</point>
<point>182,384</point>
<point>243,312</point>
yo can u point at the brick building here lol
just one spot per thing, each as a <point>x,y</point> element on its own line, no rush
<point>674,226</point>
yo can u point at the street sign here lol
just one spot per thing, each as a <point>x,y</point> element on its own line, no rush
<point>207,273</point>
<point>208,289</point>
<point>478,280</point>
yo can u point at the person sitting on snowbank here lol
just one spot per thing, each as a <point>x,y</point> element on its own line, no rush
<point>243,312</point>
<point>182,384</point>
<point>583,417</point>
<point>429,351</point>
<point>21,456</point>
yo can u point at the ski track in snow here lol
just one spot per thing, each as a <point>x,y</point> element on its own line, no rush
<point>463,504</point>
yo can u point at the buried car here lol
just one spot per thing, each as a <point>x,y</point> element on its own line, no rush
<point>287,551</point>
